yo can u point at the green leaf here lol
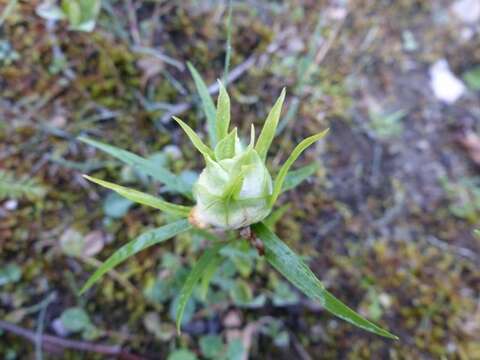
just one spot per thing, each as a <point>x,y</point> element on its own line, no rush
<point>190,307</point>
<point>75,319</point>
<point>223,113</point>
<point>225,148</point>
<point>171,181</point>
<point>235,350</point>
<point>211,346</point>
<point>195,139</point>
<point>81,13</point>
<point>276,216</point>
<point>477,233</point>
<point>10,273</point>
<point>182,354</point>
<point>290,265</point>
<point>116,206</point>
<point>243,264</point>
<point>13,186</point>
<point>208,275</point>
<point>296,177</point>
<point>73,11</point>
<point>283,294</point>
<point>192,279</point>
<point>277,188</point>
<point>90,9</point>
<point>472,78</point>
<point>142,242</point>
<point>234,186</point>
<point>207,102</point>
<point>270,127</point>
<point>143,198</point>
<point>241,293</point>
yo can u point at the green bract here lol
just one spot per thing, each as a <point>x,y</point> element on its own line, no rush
<point>81,14</point>
<point>234,190</point>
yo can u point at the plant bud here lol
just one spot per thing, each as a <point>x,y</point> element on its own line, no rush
<point>234,190</point>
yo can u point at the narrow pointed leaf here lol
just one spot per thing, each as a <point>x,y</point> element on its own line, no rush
<point>142,242</point>
<point>271,220</point>
<point>208,275</point>
<point>143,198</point>
<point>233,188</point>
<point>296,177</point>
<point>207,102</point>
<point>223,113</point>
<point>171,181</point>
<point>225,148</point>
<point>277,188</point>
<point>195,139</point>
<point>270,127</point>
<point>195,275</point>
<point>290,265</point>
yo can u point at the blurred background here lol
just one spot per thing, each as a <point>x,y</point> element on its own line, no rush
<point>386,221</point>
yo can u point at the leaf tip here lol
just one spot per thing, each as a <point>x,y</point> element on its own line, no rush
<point>220,85</point>
<point>83,290</point>
<point>389,335</point>
<point>92,179</point>
<point>85,139</point>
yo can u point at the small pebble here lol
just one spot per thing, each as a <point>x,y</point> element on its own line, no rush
<point>11,205</point>
<point>445,85</point>
<point>467,11</point>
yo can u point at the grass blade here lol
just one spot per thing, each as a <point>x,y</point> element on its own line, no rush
<point>143,198</point>
<point>171,181</point>
<point>290,265</point>
<point>195,139</point>
<point>270,127</point>
<point>142,242</point>
<point>222,120</point>
<point>296,177</point>
<point>277,188</point>
<point>207,102</point>
<point>195,275</point>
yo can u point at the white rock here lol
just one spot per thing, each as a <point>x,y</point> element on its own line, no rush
<point>467,11</point>
<point>445,85</point>
<point>11,205</point>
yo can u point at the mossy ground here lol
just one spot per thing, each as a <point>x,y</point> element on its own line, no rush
<point>375,221</point>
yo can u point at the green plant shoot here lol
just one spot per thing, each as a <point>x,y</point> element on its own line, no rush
<point>235,191</point>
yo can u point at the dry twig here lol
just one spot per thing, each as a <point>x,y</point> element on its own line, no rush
<point>50,342</point>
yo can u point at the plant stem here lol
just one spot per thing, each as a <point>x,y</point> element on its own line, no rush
<point>55,341</point>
